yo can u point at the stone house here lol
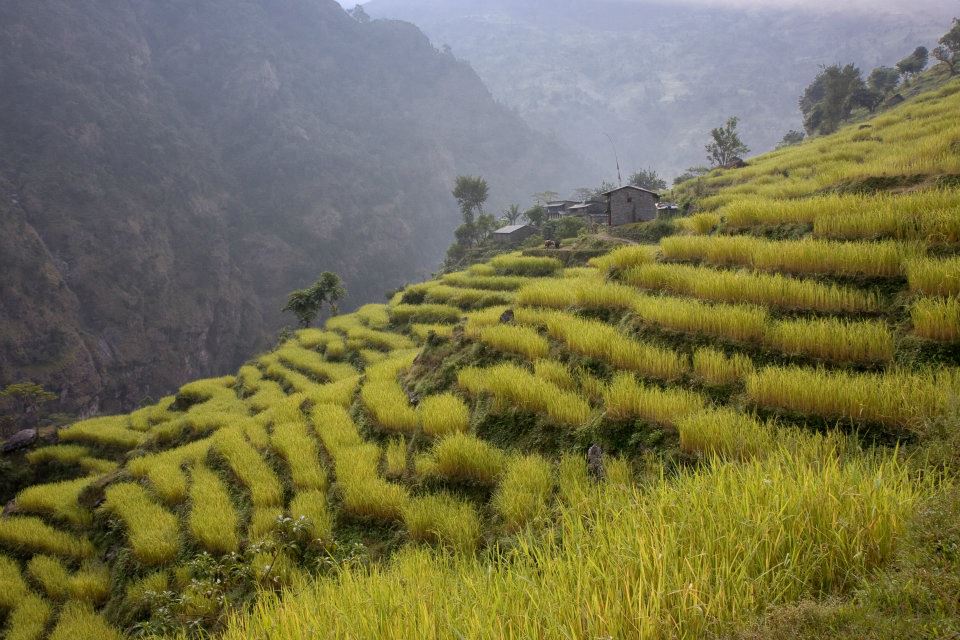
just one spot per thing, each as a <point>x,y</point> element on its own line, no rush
<point>590,211</point>
<point>558,209</point>
<point>630,204</point>
<point>513,234</point>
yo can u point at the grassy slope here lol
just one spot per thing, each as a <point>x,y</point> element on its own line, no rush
<point>747,400</point>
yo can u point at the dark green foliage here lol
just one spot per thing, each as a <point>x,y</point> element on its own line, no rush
<point>536,214</point>
<point>648,232</point>
<point>22,401</point>
<point>884,79</point>
<point>512,214</point>
<point>690,174</point>
<point>727,145</point>
<point>948,53</point>
<point>792,137</point>
<point>565,227</point>
<point>648,179</point>
<point>306,304</point>
<point>914,63</point>
<point>829,100</point>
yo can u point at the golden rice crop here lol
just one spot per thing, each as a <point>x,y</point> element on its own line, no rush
<point>421,332</point>
<point>335,428</point>
<point>29,618</point>
<point>627,399</point>
<point>442,414</point>
<point>467,298</point>
<point>91,583</point>
<point>27,534</point>
<point>293,442</point>
<point>865,342</point>
<point>556,373</point>
<point>213,518</point>
<point>726,433</point>
<point>685,536</point>
<point>424,313</point>
<point>14,587</point>
<point>512,265</point>
<point>937,318</point>
<point>343,322</point>
<point>97,466</point>
<point>592,386</point>
<point>146,417</point>
<point>495,283</point>
<point>444,520</point>
<point>718,370</point>
<point>315,338</point>
<point>522,341</point>
<point>564,293</point>
<point>164,470</point>
<point>934,277</point>
<point>700,223</point>
<point>806,256</point>
<point>263,520</point>
<point>153,532</point>
<point>523,494</point>
<point>383,340</point>
<point>335,350</point>
<point>364,494</point>
<point>199,391</point>
<point>512,386</point>
<point>599,340</point>
<point>79,621</point>
<point>395,458</point>
<point>57,499</point>
<point>485,317</point>
<point>737,322</point>
<point>312,363</point>
<point>460,457</point>
<point>340,392</point>
<point>249,467</point>
<point>582,272</point>
<point>625,257</point>
<point>312,505</point>
<point>60,453</point>
<point>374,315</point>
<point>135,595</point>
<point>268,393</point>
<point>895,399</point>
<point>481,269</point>
<point>389,406</point>
<point>109,431</point>
<point>756,288</point>
<point>392,367</point>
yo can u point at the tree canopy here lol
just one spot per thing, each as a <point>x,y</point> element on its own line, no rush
<point>914,63</point>
<point>948,52</point>
<point>831,97</point>
<point>648,179</point>
<point>726,145</point>
<point>306,304</point>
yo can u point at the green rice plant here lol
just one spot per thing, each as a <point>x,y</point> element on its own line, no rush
<point>340,392</point>
<point>374,316</point>
<point>756,288</point>
<point>493,283</point>
<point>522,341</point>
<point>79,622</point>
<point>29,618</point>
<point>27,534</point>
<point>153,532</point>
<point>335,350</point>
<point>343,322</point>
<point>806,256</point>
<point>444,520</point>
<point>485,317</point>
<point>200,391</point>
<point>627,399</point>
<point>315,338</point>
<point>443,414</point>
<point>145,418</point>
<point>91,583</point>
<point>700,223</point>
<point>335,428</point>
<point>895,399</point>
<point>718,370</point>
<point>523,495</point>
<point>395,458</point>
<point>934,277</point>
<point>591,386</point>
<point>249,379</point>
<point>291,439</point>
<point>513,265</point>
<point>424,313</point>
<point>736,322</point>
<point>256,430</point>
<point>268,393</point>
<point>249,467</point>
<point>389,406</point>
<point>725,433</point>
<point>705,552</point>
<point>371,356</point>
<point>421,332</point>
<point>625,258</point>
<point>514,387</point>
<point>460,457</point>
<point>312,505</point>
<point>382,340</point>
<point>110,431</point>
<point>97,466</point>
<point>135,594</point>
<point>865,342</point>
<point>165,472</point>
<point>599,340</point>
<point>564,293</point>
<point>263,521</point>
<point>59,453</point>
<point>57,499</point>
<point>313,363</point>
<point>467,298</point>
<point>582,272</point>
<point>392,367</point>
<point>481,269</point>
<point>556,373</point>
<point>937,318</point>
<point>213,518</point>
<point>14,586</point>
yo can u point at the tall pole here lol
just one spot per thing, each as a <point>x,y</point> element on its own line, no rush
<point>617,158</point>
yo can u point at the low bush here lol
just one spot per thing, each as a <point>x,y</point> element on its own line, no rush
<point>442,519</point>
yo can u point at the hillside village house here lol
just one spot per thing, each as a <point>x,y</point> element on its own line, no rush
<point>512,235</point>
<point>559,208</point>
<point>590,211</point>
<point>630,204</point>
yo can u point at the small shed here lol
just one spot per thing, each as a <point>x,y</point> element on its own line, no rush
<point>558,208</point>
<point>630,204</point>
<point>668,208</point>
<point>512,234</point>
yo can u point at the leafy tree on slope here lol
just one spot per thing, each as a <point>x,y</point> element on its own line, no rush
<point>726,145</point>
<point>948,52</point>
<point>306,304</point>
<point>648,179</point>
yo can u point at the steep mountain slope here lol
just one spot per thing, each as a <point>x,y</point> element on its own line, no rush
<point>418,466</point>
<point>171,169</point>
<point>657,76</point>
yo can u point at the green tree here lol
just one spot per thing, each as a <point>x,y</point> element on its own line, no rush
<point>884,79</point>
<point>828,101</point>
<point>604,187</point>
<point>583,194</point>
<point>25,400</point>
<point>512,214</point>
<point>914,63</point>
<point>648,179</point>
<point>791,137</point>
<point>536,214</point>
<point>471,192</point>
<point>306,304</point>
<point>948,53</point>
<point>726,145</point>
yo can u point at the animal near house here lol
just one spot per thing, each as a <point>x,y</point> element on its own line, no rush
<point>630,204</point>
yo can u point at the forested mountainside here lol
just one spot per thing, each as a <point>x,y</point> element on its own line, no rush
<point>170,169</point>
<point>657,76</point>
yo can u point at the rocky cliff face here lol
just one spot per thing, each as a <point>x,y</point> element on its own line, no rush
<point>171,168</point>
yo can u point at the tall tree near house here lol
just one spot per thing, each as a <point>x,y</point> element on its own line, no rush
<point>948,53</point>
<point>471,192</point>
<point>914,63</point>
<point>512,214</point>
<point>648,179</point>
<point>537,215</point>
<point>306,304</point>
<point>726,145</point>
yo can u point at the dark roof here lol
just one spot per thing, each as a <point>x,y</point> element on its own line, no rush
<point>556,202</point>
<point>510,228</point>
<point>630,186</point>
